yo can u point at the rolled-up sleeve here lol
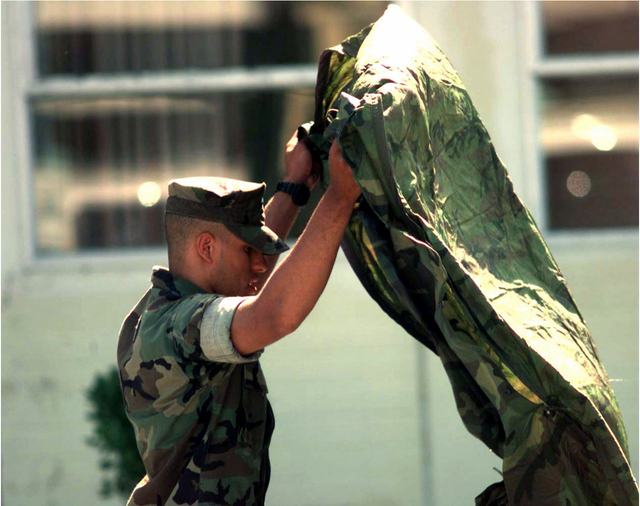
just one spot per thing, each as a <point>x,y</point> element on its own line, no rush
<point>215,332</point>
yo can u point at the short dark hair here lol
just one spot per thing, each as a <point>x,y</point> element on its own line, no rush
<point>181,230</point>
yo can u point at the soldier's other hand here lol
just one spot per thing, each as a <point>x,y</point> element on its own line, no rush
<point>342,180</point>
<point>298,163</point>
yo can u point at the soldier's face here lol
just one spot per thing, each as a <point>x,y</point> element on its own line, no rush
<point>238,268</point>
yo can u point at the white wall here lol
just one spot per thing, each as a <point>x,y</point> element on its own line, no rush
<point>364,415</point>
<point>14,135</point>
<point>345,394</point>
<point>343,388</point>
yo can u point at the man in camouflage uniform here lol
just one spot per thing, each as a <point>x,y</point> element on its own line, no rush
<point>188,352</point>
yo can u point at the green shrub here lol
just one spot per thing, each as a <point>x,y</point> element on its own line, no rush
<point>114,437</point>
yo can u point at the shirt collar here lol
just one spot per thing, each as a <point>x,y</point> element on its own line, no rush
<point>172,287</point>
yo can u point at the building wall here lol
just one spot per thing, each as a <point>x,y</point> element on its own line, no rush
<point>364,415</point>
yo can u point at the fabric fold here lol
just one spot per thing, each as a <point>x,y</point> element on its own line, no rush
<point>444,245</point>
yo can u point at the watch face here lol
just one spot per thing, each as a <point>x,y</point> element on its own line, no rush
<point>301,195</point>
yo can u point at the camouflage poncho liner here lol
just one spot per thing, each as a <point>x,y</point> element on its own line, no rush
<point>446,248</point>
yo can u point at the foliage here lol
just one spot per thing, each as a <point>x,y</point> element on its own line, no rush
<point>113,436</point>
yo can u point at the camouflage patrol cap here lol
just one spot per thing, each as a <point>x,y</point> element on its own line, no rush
<point>235,204</point>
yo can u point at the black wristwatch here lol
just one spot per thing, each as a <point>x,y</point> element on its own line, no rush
<point>298,191</point>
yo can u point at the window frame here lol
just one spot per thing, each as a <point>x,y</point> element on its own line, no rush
<point>176,83</point>
<point>19,31</point>
<point>30,87</point>
<point>536,67</point>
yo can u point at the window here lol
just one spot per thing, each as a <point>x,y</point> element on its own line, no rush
<point>586,70</point>
<point>129,95</point>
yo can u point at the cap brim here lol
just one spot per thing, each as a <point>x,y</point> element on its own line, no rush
<point>262,239</point>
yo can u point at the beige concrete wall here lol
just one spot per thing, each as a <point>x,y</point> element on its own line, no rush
<point>603,277</point>
<point>346,388</point>
<point>343,388</point>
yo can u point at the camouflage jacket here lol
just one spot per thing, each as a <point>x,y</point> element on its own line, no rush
<point>203,427</point>
<point>443,244</point>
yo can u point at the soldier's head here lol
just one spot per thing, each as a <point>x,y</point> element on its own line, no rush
<point>216,234</point>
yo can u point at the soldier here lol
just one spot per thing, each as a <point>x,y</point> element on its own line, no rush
<point>188,352</point>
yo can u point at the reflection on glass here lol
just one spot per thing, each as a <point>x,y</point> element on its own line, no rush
<point>589,139</point>
<point>590,27</point>
<point>583,124</point>
<point>578,183</point>
<point>149,194</point>
<point>586,126</point>
<point>138,36</point>
<point>603,137</point>
<point>586,114</point>
<point>604,195</point>
<point>102,166</point>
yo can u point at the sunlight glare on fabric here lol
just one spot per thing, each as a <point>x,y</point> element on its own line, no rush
<point>149,194</point>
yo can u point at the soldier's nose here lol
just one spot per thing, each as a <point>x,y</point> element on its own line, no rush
<point>258,263</point>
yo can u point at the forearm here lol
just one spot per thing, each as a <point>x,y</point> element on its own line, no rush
<point>281,212</point>
<point>280,215</point>
<point>295,286</point>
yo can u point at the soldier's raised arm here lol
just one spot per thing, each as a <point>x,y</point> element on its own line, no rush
<point>291,194</point>
<point>293,289</point>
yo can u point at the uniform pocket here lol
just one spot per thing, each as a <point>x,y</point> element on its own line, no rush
<point>253,409</point>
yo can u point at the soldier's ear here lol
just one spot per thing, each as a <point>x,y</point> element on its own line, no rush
<point>206,245</point>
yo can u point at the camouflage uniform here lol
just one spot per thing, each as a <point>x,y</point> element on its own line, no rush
<point>199,409</point>
<point>446,248</point>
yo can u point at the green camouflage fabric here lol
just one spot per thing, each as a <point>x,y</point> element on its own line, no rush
<point>236,204</point>
<point>203,428</point>
<point>443,244</point>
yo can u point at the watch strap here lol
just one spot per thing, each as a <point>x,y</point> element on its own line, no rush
<point>298,191</point>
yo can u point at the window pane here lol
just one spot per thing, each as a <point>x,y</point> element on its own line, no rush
<point>590,145</point>
<point>590,27</point>
<point>593,190</point>
<point>107,37</point>
<point>102,165</point>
